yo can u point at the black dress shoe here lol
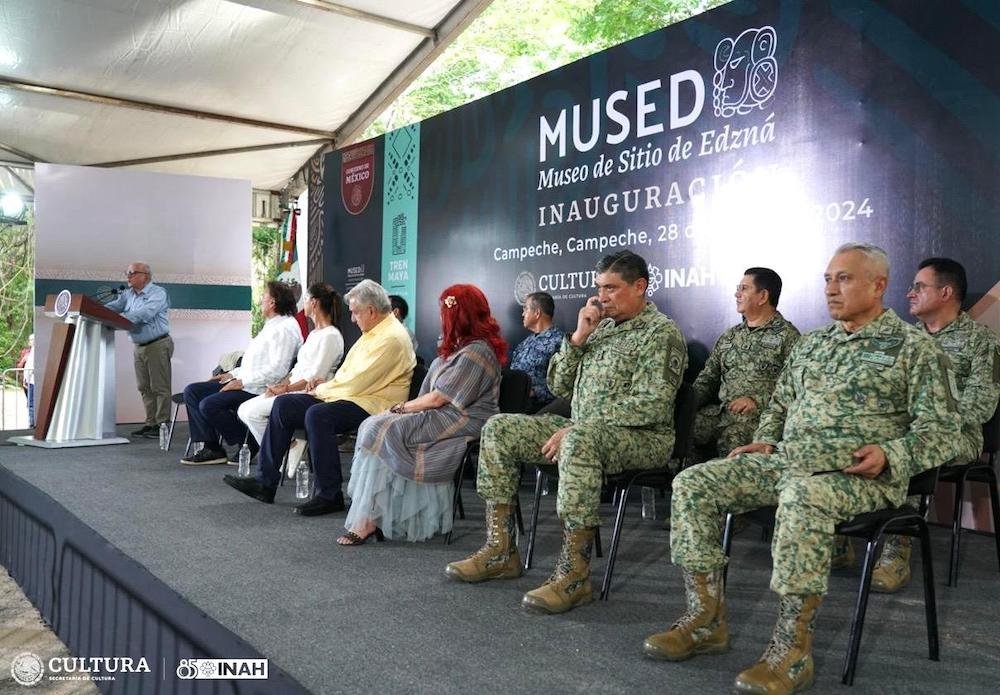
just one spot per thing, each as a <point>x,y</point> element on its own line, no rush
<point>153,432</point>
<point>251,488</point>
<point>318,506</point>
<point>144,431</point>
<point>205,457</point>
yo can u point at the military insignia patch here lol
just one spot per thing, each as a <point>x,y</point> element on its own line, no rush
<point>883,344</point>
<point>675,363</point>
<point>771,341</point>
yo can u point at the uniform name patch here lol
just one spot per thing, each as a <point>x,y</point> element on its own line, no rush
<point>771,341</point>
<point>878,358</point>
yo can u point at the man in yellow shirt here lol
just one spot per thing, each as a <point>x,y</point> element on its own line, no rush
<point>375,374</point>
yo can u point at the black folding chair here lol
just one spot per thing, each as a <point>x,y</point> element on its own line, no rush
<point>978,471</point>
<point>178,400</point>
<point>660,477</point>
<point>514,397</point>
<point>873,527</point>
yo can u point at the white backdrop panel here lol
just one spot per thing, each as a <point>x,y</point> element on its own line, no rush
<point>91,223</point>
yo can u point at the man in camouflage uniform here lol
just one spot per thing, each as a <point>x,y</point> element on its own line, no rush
<point>936,297</point>
<point>736,382</point>
<point>859,408</point>
<point>621,367</point>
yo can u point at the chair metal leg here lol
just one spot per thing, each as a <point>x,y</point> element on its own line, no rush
<point>861,606</point>
<point>956,529</point>
<point>615,538</point>
<point>597,542</point>
<point>930,600</point>
<point>461,504</point>
<point>281,470</point>
<point>173,421</point>
<point>991,477</point>
<point>727,543</point>
<point>456,497</point>
<point>539,481</point>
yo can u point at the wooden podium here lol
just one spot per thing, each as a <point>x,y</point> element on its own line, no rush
<point>76,406</point>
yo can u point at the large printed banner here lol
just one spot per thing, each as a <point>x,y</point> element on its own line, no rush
<point>757,134</point>
<point>399,214</point>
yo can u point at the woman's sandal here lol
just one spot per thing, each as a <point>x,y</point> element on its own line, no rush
<point>351,538</point>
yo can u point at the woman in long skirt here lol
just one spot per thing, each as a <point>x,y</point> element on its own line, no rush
<point>402,477</point>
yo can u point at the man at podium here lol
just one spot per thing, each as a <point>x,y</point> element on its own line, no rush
<point>145,305</point>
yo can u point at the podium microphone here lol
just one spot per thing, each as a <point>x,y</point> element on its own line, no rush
<point>104,294</point>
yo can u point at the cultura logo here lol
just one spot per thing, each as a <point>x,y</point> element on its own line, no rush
<point>27,668</point>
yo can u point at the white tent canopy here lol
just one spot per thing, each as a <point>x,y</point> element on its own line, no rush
<point>157,84</point>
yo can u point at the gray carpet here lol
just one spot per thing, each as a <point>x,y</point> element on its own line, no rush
<point>383,618</point>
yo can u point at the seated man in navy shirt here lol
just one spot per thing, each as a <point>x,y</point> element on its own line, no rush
<point>532,354</point>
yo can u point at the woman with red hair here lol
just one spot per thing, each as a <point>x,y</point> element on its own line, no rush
<point>402,477</point>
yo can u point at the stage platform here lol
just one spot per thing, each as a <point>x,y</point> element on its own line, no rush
<point>128,553</point>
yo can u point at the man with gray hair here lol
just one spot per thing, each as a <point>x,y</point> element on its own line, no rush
<point>146,306</point>
<point>860,407</point>
<point>375,374</point>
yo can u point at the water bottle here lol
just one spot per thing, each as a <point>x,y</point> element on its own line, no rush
<point>303,482</point>
<point>164,436</point>
<point>244,469</point>
<point>648,503</point>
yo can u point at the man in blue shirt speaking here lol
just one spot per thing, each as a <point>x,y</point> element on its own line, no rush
<point>146,306</point>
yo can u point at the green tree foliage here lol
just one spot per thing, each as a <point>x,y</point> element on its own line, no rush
<point>264,254</point>
<point>610,22</point>
<point>515,40</point>
<point>17,289</point>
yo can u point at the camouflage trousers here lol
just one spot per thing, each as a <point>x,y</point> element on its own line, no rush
<point>587,452</point>
<point>715,426</point>
<point>808,509</point>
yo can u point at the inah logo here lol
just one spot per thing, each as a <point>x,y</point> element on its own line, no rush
<point>655,280</point>
<point>746,72</point>
<point>222,669</point>
<point>27,668</point>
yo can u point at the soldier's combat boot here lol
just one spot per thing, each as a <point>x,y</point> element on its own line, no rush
<point>569,586</point>
<point>843,553</point>
<point>702,630</point>
<point>498,559</point>
<point>892,572</point>
<point>787,664</point>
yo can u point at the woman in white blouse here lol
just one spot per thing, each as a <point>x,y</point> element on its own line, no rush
<point>316,362</point>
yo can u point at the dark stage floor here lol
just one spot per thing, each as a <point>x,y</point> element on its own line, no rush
<point>383,618</point>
